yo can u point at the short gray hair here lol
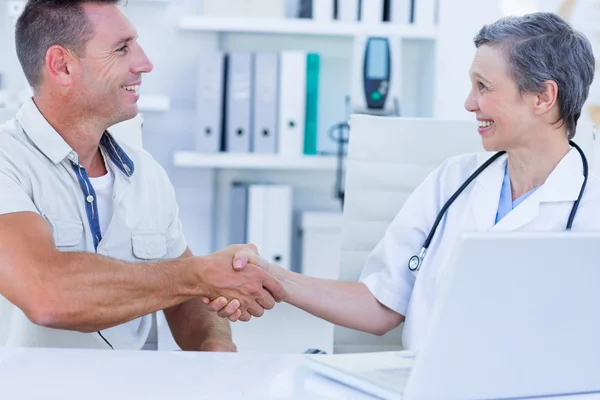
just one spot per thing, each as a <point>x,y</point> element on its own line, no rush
<point>542,47</point>
<point>45,23</point>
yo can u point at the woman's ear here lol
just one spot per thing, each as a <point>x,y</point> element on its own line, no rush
<point>547,98</point>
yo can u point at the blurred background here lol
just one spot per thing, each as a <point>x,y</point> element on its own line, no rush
<point>247,111</point>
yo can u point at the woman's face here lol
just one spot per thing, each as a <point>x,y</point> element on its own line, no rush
<point>505,116</point>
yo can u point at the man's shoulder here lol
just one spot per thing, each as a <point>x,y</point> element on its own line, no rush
<point>9,131</point>
<point>13,143</point>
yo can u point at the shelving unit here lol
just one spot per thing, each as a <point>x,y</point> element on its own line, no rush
<point>303,27</point>
<point>190,159</point>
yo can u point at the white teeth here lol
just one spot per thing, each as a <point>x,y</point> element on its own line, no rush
<point>131,88</point>
<point>485,124</point>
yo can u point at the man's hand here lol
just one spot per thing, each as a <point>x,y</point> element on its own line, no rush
<point>243,258</point>
<point>253,288</point>
<point>218,344</point>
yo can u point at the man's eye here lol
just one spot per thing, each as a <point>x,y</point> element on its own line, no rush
<point>123,49</point>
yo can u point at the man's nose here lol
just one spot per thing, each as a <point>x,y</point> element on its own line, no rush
<point>143,63</point>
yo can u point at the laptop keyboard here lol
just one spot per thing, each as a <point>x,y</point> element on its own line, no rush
<point>391,378</point>
<point>395,373</point>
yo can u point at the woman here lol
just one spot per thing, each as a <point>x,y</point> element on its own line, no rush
<point>529,80</point>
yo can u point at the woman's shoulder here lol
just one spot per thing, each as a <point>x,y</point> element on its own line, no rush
<point>588,213</point>
<point>592,189</point>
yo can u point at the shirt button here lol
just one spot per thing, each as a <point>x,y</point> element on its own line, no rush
<point>90,198</point>
<point>127,169</point>
<point>71,156</point>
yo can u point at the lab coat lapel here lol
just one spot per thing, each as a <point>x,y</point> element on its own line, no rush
<point>522,215</point>
<point>563,184</point>
<point>486,194</point>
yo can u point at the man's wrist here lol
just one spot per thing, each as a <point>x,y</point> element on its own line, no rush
<point>195,282</point>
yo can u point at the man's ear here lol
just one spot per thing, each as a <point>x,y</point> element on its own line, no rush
<point>547,98</point>
<point>60,65</point>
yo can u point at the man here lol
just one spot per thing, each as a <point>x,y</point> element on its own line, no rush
<point>90,239</point>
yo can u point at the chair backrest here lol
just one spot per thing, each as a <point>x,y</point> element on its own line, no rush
<point>388,158</point>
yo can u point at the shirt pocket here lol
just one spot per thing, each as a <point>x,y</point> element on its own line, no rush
<point>148,245</point>
<point>67,233</point>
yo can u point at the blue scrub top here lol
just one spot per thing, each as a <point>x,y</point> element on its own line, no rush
<point>506,204</point>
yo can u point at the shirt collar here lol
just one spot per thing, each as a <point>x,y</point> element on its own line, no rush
<point>53,146</point>
<point>41,133</point>
<point>563,183</point>
<point>117,154</point>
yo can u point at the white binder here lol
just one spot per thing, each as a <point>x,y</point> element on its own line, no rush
<point>237,108</point>
<point>209,103</point>
<point>292,103</point>
<point>269,224</point>
<point>371,11</point>
<point>400,11</point>
<point>425,11</point>
<point>347,10</point>
<point>322,10</point>
<point>264,102</point>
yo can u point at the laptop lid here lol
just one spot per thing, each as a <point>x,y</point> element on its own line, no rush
<point>518,315</point>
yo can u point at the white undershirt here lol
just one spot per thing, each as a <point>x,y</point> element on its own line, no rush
<point>103,186</point>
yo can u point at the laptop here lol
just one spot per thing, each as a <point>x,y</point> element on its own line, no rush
<point>517,317</point>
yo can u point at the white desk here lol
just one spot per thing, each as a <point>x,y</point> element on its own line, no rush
<point>86,374</point>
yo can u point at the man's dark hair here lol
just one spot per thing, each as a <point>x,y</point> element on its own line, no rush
<point>45,23</point>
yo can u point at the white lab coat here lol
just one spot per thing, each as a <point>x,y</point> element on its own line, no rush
<point>413,294</point>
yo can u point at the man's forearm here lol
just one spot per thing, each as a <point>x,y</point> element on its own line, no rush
<point>87,292</point>
<point>192,323</point>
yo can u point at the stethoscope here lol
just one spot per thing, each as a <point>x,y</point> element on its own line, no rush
<point>414,264</point>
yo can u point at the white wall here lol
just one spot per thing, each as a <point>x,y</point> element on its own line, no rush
<point>459,21</point>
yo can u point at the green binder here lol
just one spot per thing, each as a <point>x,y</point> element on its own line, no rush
<point>312,103</point>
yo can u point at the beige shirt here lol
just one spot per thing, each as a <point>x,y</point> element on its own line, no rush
<point>40,173</point>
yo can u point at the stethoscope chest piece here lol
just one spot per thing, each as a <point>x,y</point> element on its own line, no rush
<point>414,263</point>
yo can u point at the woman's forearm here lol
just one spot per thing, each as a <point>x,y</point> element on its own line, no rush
<point>348,304</point>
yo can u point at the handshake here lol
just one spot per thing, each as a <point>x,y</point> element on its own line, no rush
<point>239,284</point>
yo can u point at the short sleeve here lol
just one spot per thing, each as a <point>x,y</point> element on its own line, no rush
<point>386,272</point>
<point>14,197</point>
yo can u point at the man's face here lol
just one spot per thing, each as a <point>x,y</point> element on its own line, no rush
<point>112,67</point>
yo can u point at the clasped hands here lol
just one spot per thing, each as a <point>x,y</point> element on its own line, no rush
<point>244,284</point>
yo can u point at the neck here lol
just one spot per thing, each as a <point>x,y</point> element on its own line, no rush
<point>530,166</point>
<point>81,133</point>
